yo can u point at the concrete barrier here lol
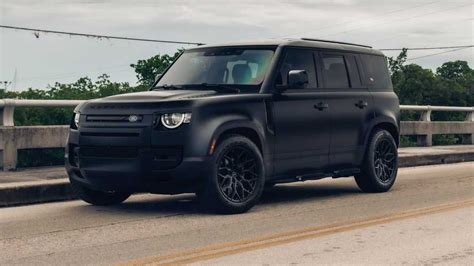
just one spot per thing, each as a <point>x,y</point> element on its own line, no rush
<point>424,129</point>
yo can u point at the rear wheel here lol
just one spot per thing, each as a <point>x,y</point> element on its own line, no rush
<point>237,178</point>
<point>96,197</point>
<point>380,166</point>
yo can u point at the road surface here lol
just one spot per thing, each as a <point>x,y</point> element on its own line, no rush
<point>430,208</point>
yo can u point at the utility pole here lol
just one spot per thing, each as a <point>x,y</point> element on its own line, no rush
<point>6,83</point>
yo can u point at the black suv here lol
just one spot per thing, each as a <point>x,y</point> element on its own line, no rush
<point>228,121</point>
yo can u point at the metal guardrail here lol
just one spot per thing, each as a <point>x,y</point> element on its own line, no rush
<point>7,107</point>
<point>13,138</point>
<point>427,109</point>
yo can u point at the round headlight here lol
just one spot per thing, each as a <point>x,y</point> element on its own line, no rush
<point>173,120</point>
<point>76,119</point>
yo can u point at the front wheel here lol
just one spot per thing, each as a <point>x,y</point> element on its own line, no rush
<point>237,178</point>
<point>96,197</point>
<point>380,166</point>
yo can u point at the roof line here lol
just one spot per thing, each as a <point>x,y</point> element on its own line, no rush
<point>328,41</point>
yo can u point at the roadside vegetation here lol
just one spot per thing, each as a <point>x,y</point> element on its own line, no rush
<point>451,84</point>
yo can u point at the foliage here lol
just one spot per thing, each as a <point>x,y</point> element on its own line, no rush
<point>82,89</point>
<point>147,69</point>
<point>396,64</point>
<point>452,84</point>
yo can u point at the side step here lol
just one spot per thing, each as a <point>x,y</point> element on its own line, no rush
<point>321,175</point>
<point>345,172</point>
<point>314,176</point>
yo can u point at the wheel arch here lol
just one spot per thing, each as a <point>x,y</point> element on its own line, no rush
<point>388,123</point>
<point>245,131</point>
<point>390,127</point>
<point>385,124</point>
<point>251,131</point>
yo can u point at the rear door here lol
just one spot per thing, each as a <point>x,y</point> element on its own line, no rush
<point>350,110</point>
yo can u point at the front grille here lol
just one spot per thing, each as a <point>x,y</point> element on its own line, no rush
<point>108,152</point>
<point>160,158</point>
<point>110,134</point>
<point>111,118</point>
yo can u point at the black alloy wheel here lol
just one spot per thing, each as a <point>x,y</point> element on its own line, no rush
<point>237,177</point>
<point>385,161</point>
<point>237,173</point>
<point>380,165</point>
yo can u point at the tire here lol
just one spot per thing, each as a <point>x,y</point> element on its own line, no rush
<point>95,197</point>
<point>380,165</point>
<point>237,177</point>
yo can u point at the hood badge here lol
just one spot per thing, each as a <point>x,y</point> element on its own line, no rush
<point>133,118</point>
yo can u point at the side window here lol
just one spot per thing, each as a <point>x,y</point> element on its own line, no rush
<point>353,69</point>
<point>375,71</point>
<point>335,71</point>
<point>298,59</point>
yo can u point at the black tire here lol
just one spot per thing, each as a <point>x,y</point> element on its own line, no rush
<point>96,197</point>
<point>380,165</point>
<point>237,177</point>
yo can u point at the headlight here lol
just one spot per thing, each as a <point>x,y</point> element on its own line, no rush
<point>76,119</point>
<point>175,120</point>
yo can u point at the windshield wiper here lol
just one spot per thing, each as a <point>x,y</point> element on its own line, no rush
<point>218,87</point>
<point>168,87</point>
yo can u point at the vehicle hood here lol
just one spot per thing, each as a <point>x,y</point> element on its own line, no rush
<point>150,96</point>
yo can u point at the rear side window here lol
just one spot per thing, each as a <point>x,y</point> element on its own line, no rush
<point>375,71</point>
<point>353,70</point>
<point>297,59</point>
<point>335,71</point>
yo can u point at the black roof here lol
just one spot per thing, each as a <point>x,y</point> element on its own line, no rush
<point>304,42</point>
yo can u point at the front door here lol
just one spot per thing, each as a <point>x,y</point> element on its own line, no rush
<point>301,119</point>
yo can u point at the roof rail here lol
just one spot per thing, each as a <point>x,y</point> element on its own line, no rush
<point>347,43</point>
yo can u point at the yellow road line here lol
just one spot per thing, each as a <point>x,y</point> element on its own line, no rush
<point>229,248</point>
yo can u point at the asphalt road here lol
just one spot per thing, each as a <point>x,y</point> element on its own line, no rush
<point>146,228</point>
<point>445,238</point>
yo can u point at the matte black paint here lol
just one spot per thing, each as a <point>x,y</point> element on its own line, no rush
<point>303,134</point>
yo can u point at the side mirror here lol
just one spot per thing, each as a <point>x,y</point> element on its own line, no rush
<point>157,77</point>
<point>297,79</point>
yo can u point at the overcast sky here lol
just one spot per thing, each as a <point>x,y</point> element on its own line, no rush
<point>50,58</point>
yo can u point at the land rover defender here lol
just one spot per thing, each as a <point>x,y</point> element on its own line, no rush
<point>228,121</point>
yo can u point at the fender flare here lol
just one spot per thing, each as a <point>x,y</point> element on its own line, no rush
<point>382,120</point>
<point>232,122</point>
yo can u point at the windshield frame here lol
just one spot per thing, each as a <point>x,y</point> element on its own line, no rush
<point>259,86</point>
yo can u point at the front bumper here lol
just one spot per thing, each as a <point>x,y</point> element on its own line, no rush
<point>122,159</point>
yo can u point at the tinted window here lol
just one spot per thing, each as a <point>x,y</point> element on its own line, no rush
<point>375,71</point>
<point>354,76</point>
<point>298,60</point>
<point>222,65</point>
<point>335,71</point>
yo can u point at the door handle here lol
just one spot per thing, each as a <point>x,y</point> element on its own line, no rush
<point>321,106</point>
<point>361,104</point>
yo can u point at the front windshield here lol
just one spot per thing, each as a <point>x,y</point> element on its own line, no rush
<point>229,66</point>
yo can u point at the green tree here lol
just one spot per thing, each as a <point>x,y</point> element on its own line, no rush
<point>396,64</point>
<point>456,71</point>
<point>413,84</point>
<point>147,69</point>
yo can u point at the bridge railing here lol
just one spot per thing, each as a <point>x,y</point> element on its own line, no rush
<point>424,129</point>
<point>14,138</point>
